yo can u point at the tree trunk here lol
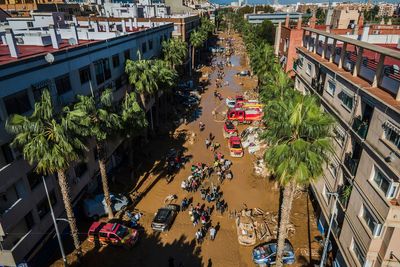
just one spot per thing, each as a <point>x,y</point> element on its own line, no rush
<point>193,52</point>
<point>104,180</point>
<point>143,100</point>
<point>286,207</point>
<point>62,181</point>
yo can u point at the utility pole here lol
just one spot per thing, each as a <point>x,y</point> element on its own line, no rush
<point>326,243</point>
<point>55,225</point>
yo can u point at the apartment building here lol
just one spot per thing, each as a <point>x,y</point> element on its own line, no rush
<point>359,84</point>
<point>84,60</point>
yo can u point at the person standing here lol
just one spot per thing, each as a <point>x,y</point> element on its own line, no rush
<point>213,231</point>
<point>208,142</point>
<point>199,236</point>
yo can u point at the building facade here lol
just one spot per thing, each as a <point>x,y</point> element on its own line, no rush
<point>88,65</point>
<point>359,84</point>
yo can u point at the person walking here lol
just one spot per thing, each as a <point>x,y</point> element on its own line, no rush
<point>199,236</point>
<point>208,142</point>
<point>213,231</point>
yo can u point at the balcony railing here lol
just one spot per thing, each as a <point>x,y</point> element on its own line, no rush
<point>351,164</point>
<point>360,127</point>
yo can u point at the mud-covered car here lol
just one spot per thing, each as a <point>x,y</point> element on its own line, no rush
<point>265,253</point>
<point>164,218</point>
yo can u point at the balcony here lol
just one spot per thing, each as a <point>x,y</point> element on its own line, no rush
<point>360,127</point>
<point>351,163</point>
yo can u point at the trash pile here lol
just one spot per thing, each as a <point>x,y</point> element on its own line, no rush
<point>260,169</point>
<point>253,224</point>
<point>251,140</point>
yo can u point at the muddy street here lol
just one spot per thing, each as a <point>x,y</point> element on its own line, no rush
<point>178,245</point>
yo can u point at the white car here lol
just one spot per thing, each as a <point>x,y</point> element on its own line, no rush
<point>95,207</point>
<point>230,102</point>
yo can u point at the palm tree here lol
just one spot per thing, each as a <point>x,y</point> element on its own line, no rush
<point>141,77</point>
<point>174,52</point>
<point>101,122</point>
<point>46,140</point>
<point>299,135</point>
<point>197,39</point>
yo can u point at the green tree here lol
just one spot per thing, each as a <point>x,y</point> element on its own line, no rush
<point>320,14</point>
<point>197,39</point>
<point>266,31</point>
<point>299,135</point>
<point>101,121</point>
<point>174,52</point>
<point>47,141</point>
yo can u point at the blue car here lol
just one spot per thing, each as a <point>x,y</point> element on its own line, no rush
<point>265,254</point>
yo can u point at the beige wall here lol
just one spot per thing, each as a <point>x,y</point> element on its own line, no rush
<point>342,18</point>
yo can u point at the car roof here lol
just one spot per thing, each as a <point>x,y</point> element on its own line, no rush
<point>104,227</point>
<point>234,139</point>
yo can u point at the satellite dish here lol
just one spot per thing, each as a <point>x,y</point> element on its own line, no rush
<point>72,41</point>
<point>49,58</point>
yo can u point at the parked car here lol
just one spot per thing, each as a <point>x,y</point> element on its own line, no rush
<point>230,102</point>
<point>243,73</point>
<point>265,253</point>
<point>235,147</point>
<point>112,233</point>
<point>164,218</point>
<point>229,129</point>
<point>95,207</point>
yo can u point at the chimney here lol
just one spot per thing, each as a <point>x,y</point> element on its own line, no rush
<point>53,35</point>
<point>130,25</point>
<point>328,28</point>
<point>75,32</point>
<point>136,22</point>
<point>12,44</point>
<point>389,22</point>
<point>107,26</point>
<point>365,33</point>
<point>299,21</point>
<point>287,20</point>
<point>123,26</point>
<point>382,21</point>
<point>313,21</point>
<point>75,20</point>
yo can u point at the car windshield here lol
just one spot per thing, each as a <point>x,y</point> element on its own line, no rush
<point>230,126</point>
<point>122,231</point>
<point>236,146</point>
<point>162,215</point>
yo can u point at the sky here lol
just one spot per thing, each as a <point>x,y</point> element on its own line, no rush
<point>295,1</point>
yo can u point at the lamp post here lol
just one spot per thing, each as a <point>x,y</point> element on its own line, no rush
<point>326,243</point>
<point>55,224</point>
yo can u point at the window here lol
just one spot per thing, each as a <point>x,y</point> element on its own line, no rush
<point>20,189</point>
<point>102,70</point>
<point>7,153</point>
<point>384,184</point>
<point>357,252</point>
<point>118,82</point>
<point>150,42</point>
<point>340,135</point>
<point>373,225</point>
<point>308,70</point>
<point>84,74</point>
<point>115,60</point>
<point>80,169</point>
<point>325,193</point>
<point>392,133</point>
<point>43,207</point>
<point>331,88</point>
<point>101,234</point>
<point>63,84</point>
<point>29,220</point>
<point>29,24</point>
<point>17,103</point>
<point>144,48</point>
<point>347,100</point>
<point>34,179</point>
<point>333,167</point>
<point>127,54</point>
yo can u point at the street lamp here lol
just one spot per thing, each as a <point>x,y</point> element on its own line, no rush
<point>55,224</point>
<point>326,243</point>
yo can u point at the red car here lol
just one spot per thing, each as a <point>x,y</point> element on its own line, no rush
<point>112,233</point>
<point>229,129</point>
<point>239,99</point>
<point>235,147</point>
